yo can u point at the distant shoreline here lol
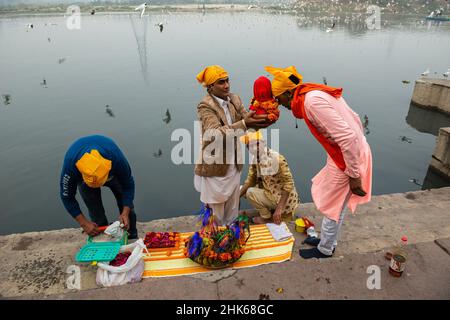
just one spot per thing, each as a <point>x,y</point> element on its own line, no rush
<point>86,10</point>
<point>122,9</point>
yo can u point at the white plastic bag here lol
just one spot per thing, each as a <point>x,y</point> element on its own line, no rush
<point>130,272</point>
<point>115,230</point>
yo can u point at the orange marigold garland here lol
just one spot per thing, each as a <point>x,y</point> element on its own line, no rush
<point>267,107</point>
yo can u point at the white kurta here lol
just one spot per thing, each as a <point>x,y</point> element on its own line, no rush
<point>220,190</point>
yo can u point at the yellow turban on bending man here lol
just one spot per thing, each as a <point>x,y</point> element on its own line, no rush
<point>252,136</point>
<point>94,168</point>
<point>211,74</point>
<point>284,79</point>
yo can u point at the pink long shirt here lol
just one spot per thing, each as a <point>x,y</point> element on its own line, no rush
<point>341,125</point>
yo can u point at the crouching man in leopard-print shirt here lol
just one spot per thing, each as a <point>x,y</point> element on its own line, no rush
<point>269,186</point>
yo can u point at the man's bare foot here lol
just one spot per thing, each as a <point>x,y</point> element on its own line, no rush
<point>260,220</point>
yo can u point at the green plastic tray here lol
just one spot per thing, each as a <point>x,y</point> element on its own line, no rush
<point>100,251</point>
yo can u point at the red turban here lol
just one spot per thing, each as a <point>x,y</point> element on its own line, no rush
<point>262,89</point>
<point>263,101</point>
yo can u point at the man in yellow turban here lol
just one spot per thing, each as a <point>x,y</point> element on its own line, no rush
<point>90,163</point>
<point>222,115</point>
<point>346,179</point>
<point>269,186</point>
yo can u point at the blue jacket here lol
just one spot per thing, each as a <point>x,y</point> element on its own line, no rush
<point>71,177</point>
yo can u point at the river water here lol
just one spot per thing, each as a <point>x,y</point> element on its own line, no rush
<point>56,82</point>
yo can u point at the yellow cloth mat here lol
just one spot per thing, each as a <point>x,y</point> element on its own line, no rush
<point>261,249</point>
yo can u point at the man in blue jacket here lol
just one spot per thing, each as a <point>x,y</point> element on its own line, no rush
<point>90,163</point>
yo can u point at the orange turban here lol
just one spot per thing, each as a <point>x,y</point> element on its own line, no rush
<point>94,168</point>
<point>211,74</point>
<point>284,79</point>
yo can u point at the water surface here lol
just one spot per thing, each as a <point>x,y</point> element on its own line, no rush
<point>141,72</point>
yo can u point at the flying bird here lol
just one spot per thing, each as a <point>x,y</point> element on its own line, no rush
<point>426,72</point>
<point>142,8</point>
<point>109,111</point>
<point>6,99</point>
<point>168,117</point>
<point>158,154</point>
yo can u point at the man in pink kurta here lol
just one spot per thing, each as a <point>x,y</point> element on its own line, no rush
<point>346,179</point>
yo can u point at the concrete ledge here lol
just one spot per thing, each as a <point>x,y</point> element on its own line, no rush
<point>432,94</point>
<point>34,264</point>
<point>441,156</point>
<point>426,276</point>
<point>438,167</point>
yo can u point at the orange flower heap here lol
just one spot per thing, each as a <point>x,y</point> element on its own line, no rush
<point>267,107</point>
<point>263,101</point>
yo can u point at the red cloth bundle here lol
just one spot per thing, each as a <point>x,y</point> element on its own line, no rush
<point>263,101</point>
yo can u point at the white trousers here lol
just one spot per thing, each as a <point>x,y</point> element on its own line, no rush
<point>330,230</point>
<point>227,211</point>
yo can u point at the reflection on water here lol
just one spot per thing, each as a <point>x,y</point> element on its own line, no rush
<point>365,123</point>
<point>358,24</point>
<point>434,179</point>
<point>354,24</point>
<point>425,120</point>
<point>429,121</point>
<point>140,25</point>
